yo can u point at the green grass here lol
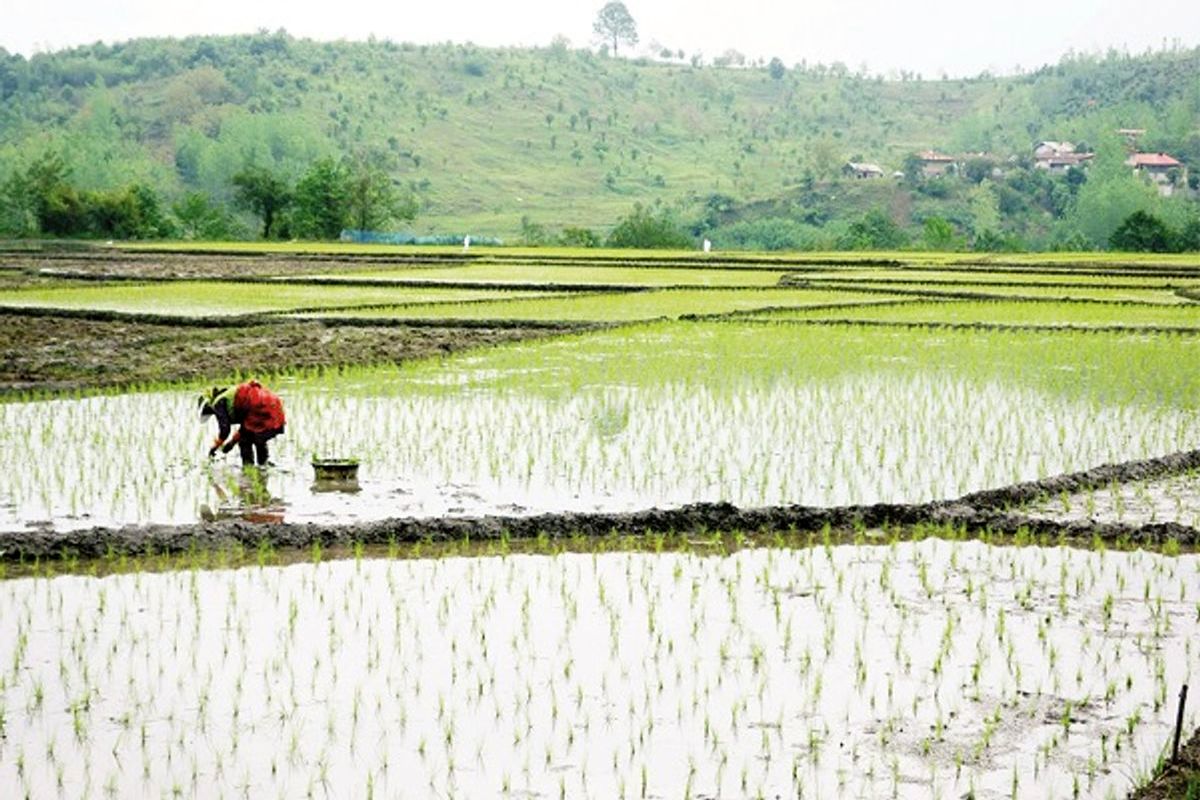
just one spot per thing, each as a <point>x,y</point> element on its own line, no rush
<point>1010,313</point>
<point>204,298</point>
<point>610,307</point>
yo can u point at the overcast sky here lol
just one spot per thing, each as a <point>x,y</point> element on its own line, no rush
<point>927,36</point>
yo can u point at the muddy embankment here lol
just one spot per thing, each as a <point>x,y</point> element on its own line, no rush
<point>996,511</point>
<point>52,352</point>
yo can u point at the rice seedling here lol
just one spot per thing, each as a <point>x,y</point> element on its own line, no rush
<point>444,438</point>
<point>705,673</point>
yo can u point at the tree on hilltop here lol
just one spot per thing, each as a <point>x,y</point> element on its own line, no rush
<point>615,24</point>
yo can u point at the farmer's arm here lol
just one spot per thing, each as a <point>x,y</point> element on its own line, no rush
<point>221,412</point>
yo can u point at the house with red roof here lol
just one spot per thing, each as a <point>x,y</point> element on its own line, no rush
<point>1163,170</point>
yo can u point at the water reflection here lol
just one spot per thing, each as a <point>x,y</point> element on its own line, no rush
<point>242,494</point>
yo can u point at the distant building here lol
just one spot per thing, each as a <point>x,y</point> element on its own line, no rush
<point>1163,170</point>
<point>934,163</point>
<point>1131,135</point>
<point>863,171</point>
<point>1058,165</point>
<point>1052,150</point>
<point>1058,157</point>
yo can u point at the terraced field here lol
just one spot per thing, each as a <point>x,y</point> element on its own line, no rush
<point>817,515</point>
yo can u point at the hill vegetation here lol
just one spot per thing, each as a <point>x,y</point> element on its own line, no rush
<point>527,144</point>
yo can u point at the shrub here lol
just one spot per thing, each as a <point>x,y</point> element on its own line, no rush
<point>645,229</point>
<point>578,237</point>
<point>1141,232</point>
<point>875,231</point>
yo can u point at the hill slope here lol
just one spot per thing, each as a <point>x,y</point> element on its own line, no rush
<point>487,138</point>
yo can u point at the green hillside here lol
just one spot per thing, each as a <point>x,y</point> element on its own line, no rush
<point>520,143</point>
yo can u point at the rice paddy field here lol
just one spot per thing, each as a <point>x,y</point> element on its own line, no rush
<point>893,660</point>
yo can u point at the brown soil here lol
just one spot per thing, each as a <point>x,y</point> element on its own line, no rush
<point>1179,780</point>
<point>95,264</point>
<point>53,353</point>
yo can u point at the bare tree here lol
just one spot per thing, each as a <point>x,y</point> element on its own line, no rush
<point>614,24</point>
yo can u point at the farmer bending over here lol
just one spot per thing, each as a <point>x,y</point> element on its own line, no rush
<point>257,411</point>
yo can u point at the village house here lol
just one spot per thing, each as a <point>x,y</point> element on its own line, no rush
<point>862,171</point>
<point>934,163</point>
<point>1058,157</point>
<point>1052,150</point>
<point>1161,169</point>
<point>1131,135</point>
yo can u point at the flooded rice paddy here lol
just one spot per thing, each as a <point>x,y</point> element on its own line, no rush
<point>662,415</point>
<point>932,669</point>
<point>1175,499</point>
<point>607,449</point>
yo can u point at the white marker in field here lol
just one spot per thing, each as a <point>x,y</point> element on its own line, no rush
<point>466,243</point>
<point>707,246</point>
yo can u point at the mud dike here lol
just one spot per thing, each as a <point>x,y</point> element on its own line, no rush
<point>1024,508</point>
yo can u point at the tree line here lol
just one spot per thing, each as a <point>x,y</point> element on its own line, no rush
<point>330,196</point>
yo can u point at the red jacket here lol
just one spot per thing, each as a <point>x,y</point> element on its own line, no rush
<point>254,407</point>
<point>257,408</point>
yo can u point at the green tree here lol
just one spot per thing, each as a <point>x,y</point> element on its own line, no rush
<point>321,207</point>
<point>41,200</point>
<point>978,169</point>
<point>133,212</point>
<point>1111,194</point>
<point>263,193</point>
<point>1141,233</point>
<point>615,24</point>
<point>578,237</point>
<point>938,234</point>
<point>374,199</point>
<point>776,69</point>
<point>985,208</point>
<point>533,234</point>
<point>874,231</point>
<point>200,218</point>
<point>914,169</point>
<point>1188,239</point>
<point>645,229</point>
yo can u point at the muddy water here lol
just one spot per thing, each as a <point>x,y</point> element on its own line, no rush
<point>459,450</point>
<point>920,670</point>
